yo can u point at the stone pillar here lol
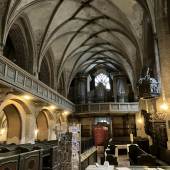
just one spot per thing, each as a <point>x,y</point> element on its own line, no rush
<point>1,50</point>
<point>140,125</point>
<point>114,88</point>
<point>122,88</point>
<point>81,89</point>
<point>164,57</point>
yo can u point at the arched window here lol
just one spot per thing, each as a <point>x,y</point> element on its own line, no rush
<point>104,79</point>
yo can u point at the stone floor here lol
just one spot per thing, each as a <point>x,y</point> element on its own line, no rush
<point>123,160</point>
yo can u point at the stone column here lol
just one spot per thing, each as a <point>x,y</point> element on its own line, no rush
<point>114,89</point>
<point>1,50</point>
<point>81,89</point>
<point>122,88</point>
<point>164,58</point>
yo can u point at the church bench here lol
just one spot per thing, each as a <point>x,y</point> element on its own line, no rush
<point>140,157</point>
<point>51,155</point>
<point>27,158</point>
<point>162,155</point>
<point>30,160</point>
<point>9,162</point>
<point>111,159</point>
<point>45,155</point>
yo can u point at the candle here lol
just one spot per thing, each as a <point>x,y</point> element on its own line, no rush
<point>131,137</point>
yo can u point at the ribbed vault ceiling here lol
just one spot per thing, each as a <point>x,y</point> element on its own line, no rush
<point>82,34</point>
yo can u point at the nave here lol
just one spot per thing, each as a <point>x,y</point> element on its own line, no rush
<point>84,84</point>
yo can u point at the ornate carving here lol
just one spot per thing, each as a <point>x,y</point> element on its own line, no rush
<point>148,86</point>
<point>155,127</point>
<point>159,116</point>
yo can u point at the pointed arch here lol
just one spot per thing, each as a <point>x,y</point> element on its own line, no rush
<point>46,70</point>
<point>19,45</point>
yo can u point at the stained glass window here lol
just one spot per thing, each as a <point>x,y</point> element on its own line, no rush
<point>104,79</point>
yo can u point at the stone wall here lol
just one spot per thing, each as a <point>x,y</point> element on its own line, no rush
<point>163,40</point>
<point>27,119</point>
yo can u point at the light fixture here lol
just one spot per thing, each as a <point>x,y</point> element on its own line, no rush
<point>52,107</point>
<point>27,97</point>
<point>66,113</point>
<point>140,121</point>
<point>164,106</point>
<point>36,132</point>
<point>2,131</point>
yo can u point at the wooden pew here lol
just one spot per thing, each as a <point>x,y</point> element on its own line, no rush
<point>30,160</point>
<point>9,162</point>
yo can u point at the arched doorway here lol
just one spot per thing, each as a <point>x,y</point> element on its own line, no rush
<point>42,126</point>
<point>16,120</point>
<point>11,125</point>
<point>45,126</point>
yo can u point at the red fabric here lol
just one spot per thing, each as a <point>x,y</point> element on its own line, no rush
<point>100,135</point>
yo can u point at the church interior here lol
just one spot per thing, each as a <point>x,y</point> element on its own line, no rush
<point>84,84</point>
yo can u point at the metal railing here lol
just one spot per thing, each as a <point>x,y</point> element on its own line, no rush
<point>14,76</point>
<point>108,107</point>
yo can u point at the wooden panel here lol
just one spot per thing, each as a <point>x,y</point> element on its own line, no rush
<point>2,68</point>
<point>28,82</point>
<point>104,107</point>
<point>123,125</point>
<point>11,73</point>
<point>30,160</point>
<point>20,78</point>
<point>9,163</point>
<point>35,86</point>
<point>40,90</point>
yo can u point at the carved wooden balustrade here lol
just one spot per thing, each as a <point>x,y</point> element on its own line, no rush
<point>17,78</point>
<point>108,108</point>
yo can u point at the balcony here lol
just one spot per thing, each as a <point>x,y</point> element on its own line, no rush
<point>107,108</point>
<point>15,77</point>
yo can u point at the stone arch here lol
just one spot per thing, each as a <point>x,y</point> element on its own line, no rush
<point>46,72</point>
<point>45,125</point>
<point>19,45</point>
<point>21,117</point>
<point>14,124</point>
<point>3,126</point>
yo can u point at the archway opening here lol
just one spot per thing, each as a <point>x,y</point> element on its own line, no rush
<point>11,125</point>
<point>44,74</point>
<point>42,126</point>
<point>18,47</point>
<point>61,86</point>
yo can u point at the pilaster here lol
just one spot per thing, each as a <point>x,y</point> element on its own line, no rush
<point>1,49</point>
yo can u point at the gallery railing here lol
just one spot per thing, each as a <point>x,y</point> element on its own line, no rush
<point>108,107</point>
<point>14,76</point>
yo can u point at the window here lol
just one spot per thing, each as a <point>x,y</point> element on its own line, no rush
<point>104,79</point>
